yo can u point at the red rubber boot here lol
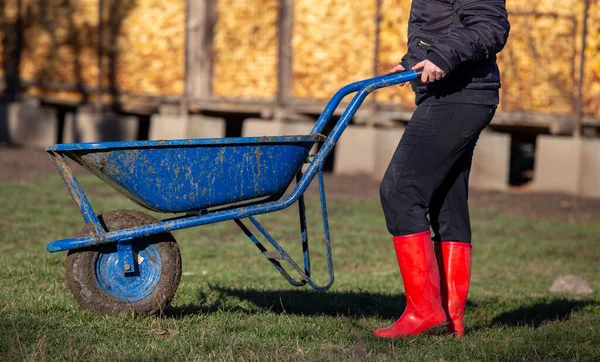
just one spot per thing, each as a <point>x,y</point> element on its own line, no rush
<point>420,275</point>
<point>454,261</point>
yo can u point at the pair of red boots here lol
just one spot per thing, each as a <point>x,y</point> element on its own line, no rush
<point>436,283</point>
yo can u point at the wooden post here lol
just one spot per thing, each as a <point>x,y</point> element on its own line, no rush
<point>577,126</point>
<point>11,48</point>
<point>284,63</point>
<point>201,21</point>
<point>376,49</point>
<point>100,50</point>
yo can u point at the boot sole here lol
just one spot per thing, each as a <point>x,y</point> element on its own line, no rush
<point>436,331</point>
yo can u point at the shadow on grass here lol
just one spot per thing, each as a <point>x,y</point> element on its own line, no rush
<point>539,313</point>
<point>532,313</point>
<point>300,302</point>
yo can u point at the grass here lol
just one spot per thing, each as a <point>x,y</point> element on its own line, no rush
<point>232,305</point>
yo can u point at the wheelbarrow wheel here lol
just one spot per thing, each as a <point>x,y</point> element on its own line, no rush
<point>98,285</point>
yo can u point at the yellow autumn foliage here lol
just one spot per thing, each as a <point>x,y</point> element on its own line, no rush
<point>333,43</point>
<point>245,49</point>
<point>143,45</point>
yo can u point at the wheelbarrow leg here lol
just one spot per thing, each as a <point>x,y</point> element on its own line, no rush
<point>303,229</point>
<point>281,254</point>
<point>76,192</point>
<point>273,257</point>
<point>326,234</point>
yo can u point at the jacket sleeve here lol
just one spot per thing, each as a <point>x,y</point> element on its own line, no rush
<point>404,62</point>
<point>483,34</point>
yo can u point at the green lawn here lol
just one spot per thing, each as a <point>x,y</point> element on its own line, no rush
<point>232,305</point>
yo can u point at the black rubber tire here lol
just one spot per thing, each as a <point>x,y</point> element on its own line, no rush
<point>81,268</point>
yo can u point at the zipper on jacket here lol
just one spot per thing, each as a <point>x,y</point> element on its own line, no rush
<point>423,44</point>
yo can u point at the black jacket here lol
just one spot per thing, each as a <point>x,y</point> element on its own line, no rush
<point>462,37</point>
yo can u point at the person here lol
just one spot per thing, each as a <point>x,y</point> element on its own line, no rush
<point>454,43</point>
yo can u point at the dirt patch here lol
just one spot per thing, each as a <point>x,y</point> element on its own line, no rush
<point>533,206</point>
<point>20,165</point>
<point>23,165</point>
<point>537,206</point>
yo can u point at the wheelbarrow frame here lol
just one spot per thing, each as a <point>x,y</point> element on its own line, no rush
<point>248,210</point>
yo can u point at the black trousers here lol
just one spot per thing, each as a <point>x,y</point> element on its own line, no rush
<point>429,172</point>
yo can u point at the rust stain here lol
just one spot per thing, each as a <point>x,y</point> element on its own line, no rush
<point>258,153</point>
<point>102,165</point>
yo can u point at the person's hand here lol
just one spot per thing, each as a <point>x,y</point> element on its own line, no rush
<point>431,72</point>
<point>398,68</point>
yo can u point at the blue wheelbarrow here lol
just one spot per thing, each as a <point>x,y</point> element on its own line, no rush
<point>128,261</point>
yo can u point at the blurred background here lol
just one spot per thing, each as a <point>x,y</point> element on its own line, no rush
<point>101,70</point>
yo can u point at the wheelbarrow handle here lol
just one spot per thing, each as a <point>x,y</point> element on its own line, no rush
<point>363,88</point>
<point>369,85</point>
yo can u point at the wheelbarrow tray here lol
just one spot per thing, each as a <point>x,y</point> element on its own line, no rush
<point>194,174</point>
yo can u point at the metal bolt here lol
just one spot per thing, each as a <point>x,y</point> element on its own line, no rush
<point>127,267</point>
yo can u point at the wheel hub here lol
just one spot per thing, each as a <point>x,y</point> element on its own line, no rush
<point>129,286</point>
